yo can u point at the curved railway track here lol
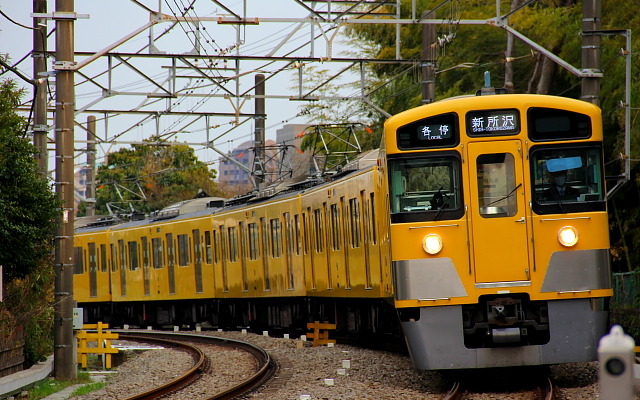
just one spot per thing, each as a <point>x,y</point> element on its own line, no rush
<point>266,366</point>
<point>545,391</point>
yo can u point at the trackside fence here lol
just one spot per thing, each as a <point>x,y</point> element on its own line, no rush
<point>626,288</point>
<point>12,352</point>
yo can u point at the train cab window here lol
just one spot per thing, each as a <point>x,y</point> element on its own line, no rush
<point>496,185</point>
<point>567,179</point>
<point>425,187</point>
<point>547,124</point>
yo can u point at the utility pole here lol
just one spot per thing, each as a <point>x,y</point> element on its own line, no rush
<point>259,169</point>
<point>591,21</point>
<point>90,193</point>
<point>64,365</point>
<point>40,86</point>
<point>428,64</point>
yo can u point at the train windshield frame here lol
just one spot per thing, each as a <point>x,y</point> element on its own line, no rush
<point>425,186</point>
<point>567,179</point>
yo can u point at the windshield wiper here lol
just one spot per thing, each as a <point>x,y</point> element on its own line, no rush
<point>505,197</point>
<point>558,200</point>
<point>439,200</point>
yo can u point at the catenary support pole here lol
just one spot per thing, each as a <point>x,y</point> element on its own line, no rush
<point>64,365</point>
<point>428,63</point>
<point>259,168</point>
<point>591,21</point>
<point>90,192</point>
<point>40,86</point>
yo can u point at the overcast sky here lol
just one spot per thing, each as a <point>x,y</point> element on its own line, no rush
<point>112,20</point>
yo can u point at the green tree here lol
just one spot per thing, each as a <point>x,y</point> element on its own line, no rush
<point>27,226</point>
<point>28,205</point>
<point>152,176</point>
<point>465,52</point>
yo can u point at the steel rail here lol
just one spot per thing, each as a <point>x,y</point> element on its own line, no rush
<point>181,381</point>
<point>454,393</point>
<point>266,366</point>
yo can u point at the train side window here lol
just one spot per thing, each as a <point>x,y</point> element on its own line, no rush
<point>373,218</point>
<point>114,258</point>
<point>496,184</point>
<point>276,238</point>
<point>122,254</point>
<point>305,232</point>
<point>296,222</point>
<point>145,252</point>
<point>158,253</point>
<point>145,265</point>
<point>183,250</point>
<point>265,253</point>
<point>319,232</point>
<point>354,218</point>
<point>233,244</point>
<point>207,247</point>
<point>216,247</point>
<point>253,241</point>
<point>79,265</point>
<point>335,226</point>
<point>288,229</point>
<point>103,257</point>
<point>170,249</point>
<point>133,255</point>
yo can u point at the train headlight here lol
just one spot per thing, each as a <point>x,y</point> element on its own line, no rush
<point>568,236</point>
<point>432,243</point>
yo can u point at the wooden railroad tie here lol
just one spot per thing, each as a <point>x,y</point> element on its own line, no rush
<point>103,343</point>
<point>320,334</point>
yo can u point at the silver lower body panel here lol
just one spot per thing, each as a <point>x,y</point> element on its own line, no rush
<point>436,340</point>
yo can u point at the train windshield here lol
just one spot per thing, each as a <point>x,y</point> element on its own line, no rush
<point>428,185</point>
<point>566,179</point>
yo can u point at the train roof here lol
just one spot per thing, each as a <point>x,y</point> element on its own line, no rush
<point>470,102</point>
<point>364,161</point>
<point>195,208</point>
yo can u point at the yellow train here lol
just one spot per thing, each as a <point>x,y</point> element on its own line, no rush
<point>480,226</point>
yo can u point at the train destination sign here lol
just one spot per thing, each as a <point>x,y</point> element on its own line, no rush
<point>432,132</point>
<point>493,122</point>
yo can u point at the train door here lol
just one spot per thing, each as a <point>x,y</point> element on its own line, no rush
<point>197,255</point>
<point>498,212</point>
<point>171,263</point>
<point>93,271</point>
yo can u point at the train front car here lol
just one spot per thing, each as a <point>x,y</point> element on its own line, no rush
<point>499,232</point>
